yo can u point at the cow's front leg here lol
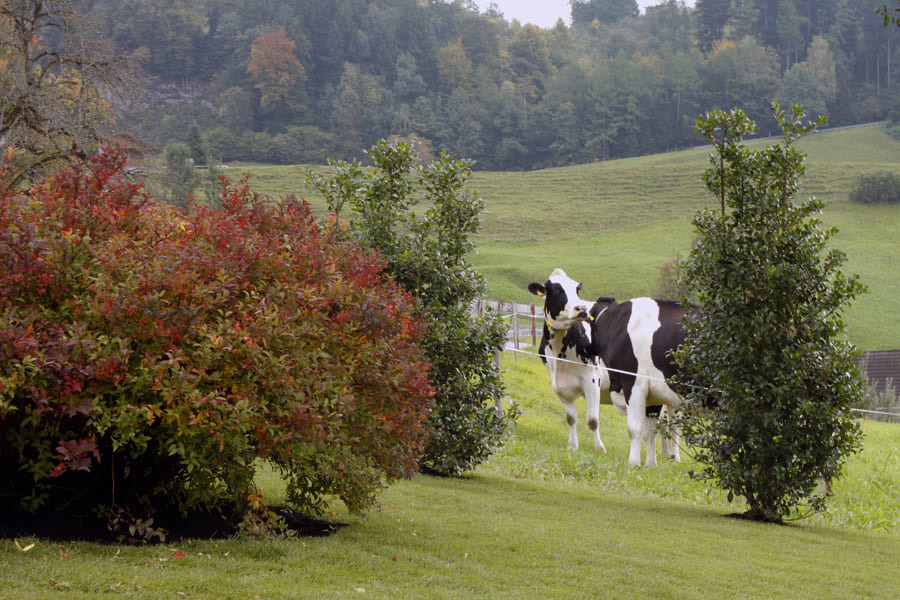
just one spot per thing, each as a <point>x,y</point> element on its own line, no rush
<point>572,420</point>
<point>592,405</point>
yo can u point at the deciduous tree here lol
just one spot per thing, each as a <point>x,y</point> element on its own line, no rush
<point>454,67</point>
<point>822,66</point>
<point>890,16</point>
<point>274,67</point>
<point>56,76</point>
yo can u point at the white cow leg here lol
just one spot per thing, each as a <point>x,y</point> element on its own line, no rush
<point>671,439</point>
<point>572,420</point>
<point>673,451</point>
<point>636,420</point>
<point>593,419</point>
<point>670,449</point>
<point>649,435</point>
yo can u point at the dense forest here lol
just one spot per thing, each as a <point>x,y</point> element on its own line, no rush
<point>291,81</point>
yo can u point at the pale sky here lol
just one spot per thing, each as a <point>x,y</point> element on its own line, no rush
<point>544,13</point>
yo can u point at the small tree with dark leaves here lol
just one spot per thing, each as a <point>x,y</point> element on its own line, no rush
<point>768,377</point>
<point>426,252</point>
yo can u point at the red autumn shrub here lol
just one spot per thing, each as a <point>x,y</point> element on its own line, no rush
<point>151,359</point>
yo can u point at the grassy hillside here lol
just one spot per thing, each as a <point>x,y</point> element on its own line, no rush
<point>613,224</point>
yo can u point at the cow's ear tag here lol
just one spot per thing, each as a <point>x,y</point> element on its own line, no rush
<point>541,294</point>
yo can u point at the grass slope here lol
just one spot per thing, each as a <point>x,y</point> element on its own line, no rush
<point>536,522</point>
<point>612,224</point>
<point>483,537</point>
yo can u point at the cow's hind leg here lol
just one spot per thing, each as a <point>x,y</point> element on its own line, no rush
<point>671,439</point>
<point>636,420</point>
<point>649,435</point>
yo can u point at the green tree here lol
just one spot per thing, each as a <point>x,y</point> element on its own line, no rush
<point>360,109</point>
<point>426,252</point>
<point>789,25</point>
<point>163,33</point>
<point>235,107</point>
<point>585,12</point>
<point>742,19</point>
<point>180,179</point>
<point>771,374</point>
<point>741,74</point>
<point>800,86</point>
<point>529,62</point>
<point>670,27</point>
<point>822,67</point>
<point>408,85</point>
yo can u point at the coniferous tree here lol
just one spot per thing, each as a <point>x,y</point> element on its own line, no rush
<point>711,17</point>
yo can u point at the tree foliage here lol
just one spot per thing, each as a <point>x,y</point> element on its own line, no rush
<point>274,67</point>
<point>889,15</point>
<point>508,95</point>
<point>768,376</point>
<point>151,359</point>
<point>425,250</point>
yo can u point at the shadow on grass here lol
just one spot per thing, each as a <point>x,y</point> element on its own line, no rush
<point>65,527</point>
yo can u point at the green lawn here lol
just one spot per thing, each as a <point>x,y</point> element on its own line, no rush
<point>537,521</point>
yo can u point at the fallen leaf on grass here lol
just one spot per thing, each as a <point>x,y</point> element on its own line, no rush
<point>58,585</point>
<point>25,548</point>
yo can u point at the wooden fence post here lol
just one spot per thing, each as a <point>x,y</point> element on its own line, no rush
<point>515,325</point>
<point>533,328</point>
<point>498,350</point>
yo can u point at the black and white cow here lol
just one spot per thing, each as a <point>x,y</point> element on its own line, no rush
<point>566,352</point>
<point>634,340</point>
<point>582,369</point>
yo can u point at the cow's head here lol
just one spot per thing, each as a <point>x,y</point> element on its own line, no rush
<point>562,305</point>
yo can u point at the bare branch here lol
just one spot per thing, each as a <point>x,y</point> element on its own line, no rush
<point>56,83</point>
